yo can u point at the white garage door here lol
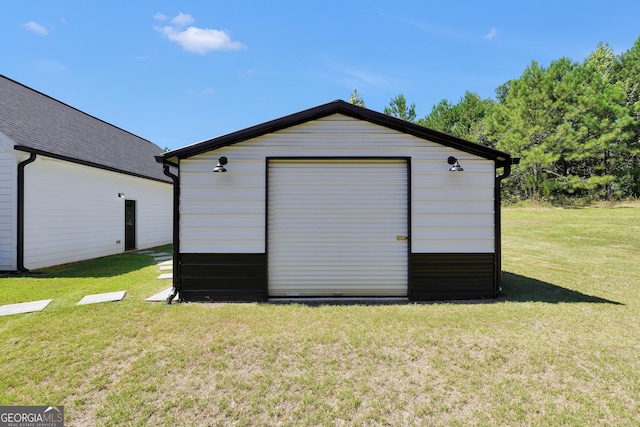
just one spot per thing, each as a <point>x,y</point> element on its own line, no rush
<point>337,227</point>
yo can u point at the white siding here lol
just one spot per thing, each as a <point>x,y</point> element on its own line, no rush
<point>8,167</point>
<point>73,212</point>
<point>333,228</point>
<point>222,212</point>
<point>225,212</point>
<point>453,211</point>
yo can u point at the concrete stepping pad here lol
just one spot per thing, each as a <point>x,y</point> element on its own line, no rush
<point>162,296</point>
<point>106,297</point>
<point>168,262</point>
<point>165,276</point>
<point>166,267</point>
<point>24,307</point>
<point>163,258</point>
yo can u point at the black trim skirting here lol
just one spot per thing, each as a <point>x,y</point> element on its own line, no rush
<point>241,277</point>
<point>236,277</point>
<point>447,276</point>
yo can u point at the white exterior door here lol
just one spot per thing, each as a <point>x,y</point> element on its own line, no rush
<point>337,227</point>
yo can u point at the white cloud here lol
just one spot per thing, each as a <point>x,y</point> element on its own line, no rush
<point>182,20</point>
<point>197,40</point>
<point>362,79</point>
<point>203,92</point>
<point>35,28</point>
<point>160,17</point>
<point>356,77</point>
<point>51,66</point>
<point>367,78</point>
<point>429,28</point>
<point>491,34</point>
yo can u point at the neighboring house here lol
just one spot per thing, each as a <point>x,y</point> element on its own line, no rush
<point>337,201</point>
<point>73,187</point>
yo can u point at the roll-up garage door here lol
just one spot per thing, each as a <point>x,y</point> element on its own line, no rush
<point>337,227</point>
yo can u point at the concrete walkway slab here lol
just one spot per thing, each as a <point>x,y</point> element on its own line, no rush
<point>166,267</point>
<point>165,276</point>
<point>162,296</point>
<point>169,262</point>
<point>24,307</point>
<point>106,297</point>
<point>156,253</point>
<point>163,258</point>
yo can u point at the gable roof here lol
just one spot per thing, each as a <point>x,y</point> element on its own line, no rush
<point>43,125</point>
<point>347,109</point>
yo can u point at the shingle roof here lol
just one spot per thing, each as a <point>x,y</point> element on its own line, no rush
<point>341,107</point>
<point>36,122</point>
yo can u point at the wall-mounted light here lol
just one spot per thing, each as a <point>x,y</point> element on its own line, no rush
<point>456,166</point>
<point>220,166</point>
<point>121,195</point>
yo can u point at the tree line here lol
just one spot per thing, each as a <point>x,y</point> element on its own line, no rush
<point>575,126</point>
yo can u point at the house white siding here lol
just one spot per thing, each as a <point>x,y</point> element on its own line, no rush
<point>8,167</point>
<point>226,212</point>
<point>73,212</point>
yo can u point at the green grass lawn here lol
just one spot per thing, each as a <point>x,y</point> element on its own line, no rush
<point>561,347</point>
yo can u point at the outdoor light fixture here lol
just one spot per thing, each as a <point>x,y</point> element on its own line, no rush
<point>121,195</point>
<point>220,166</point>
<point>456,166</point>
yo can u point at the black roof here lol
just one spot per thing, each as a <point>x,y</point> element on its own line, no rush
<point>40,124</point>
<point>347,109</point>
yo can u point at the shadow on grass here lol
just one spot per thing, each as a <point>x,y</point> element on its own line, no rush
<point>515,288</point>
<point>518,288</point>
<point>109,266</point>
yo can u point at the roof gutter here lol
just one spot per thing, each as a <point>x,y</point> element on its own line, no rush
<point>176,230</point>
<point>20,224</point>
<point>498,219</point>
<point>84,163</point>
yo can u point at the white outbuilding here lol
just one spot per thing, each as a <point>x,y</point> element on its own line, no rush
<point>73,187</point>
<point>337,201</point>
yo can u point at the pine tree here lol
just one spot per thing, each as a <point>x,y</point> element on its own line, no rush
<point>398,108</point>
<point>466,119</point>
<point>522,123</point>
<point>628,74</point>
<point>602,124</point>
<point>355,99</point>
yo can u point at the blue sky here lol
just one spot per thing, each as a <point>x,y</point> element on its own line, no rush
<point>181,72</point>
